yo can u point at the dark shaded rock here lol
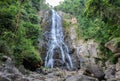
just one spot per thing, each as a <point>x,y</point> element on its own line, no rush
<point>72,51</point>
<point>4,58</point>
<point>7,60</point>
<point>95,70</point>
<point>59,63</point>
<point>30,64</point>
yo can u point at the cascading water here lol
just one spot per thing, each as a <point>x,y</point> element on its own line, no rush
<point>56,41</point>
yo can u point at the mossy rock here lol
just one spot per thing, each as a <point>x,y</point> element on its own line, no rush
<point>114,45</point>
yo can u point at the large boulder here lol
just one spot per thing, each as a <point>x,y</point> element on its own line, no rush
<point>95,70</point>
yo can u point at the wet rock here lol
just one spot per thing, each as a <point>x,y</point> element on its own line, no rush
<point>45,21</point>
<point>44,71</point>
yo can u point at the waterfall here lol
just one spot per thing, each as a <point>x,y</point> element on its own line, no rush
<point>56,41</point>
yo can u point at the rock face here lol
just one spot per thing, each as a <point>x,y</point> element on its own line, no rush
<point>87,51</point>
<point>95,71</point>
<point>45,21</point>
<point>82,51</point>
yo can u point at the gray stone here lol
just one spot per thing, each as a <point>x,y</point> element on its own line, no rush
<point>3,78</point>
<point>80,78</point>
<point>110,72</point>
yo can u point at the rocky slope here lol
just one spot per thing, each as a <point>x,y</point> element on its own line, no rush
<point>8,72</point>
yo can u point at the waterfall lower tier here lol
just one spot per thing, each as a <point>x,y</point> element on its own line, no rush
<point>56,44</point>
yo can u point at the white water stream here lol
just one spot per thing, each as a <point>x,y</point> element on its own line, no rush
<point>56,41</point>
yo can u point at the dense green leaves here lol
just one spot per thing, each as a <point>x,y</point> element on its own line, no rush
<point>20,29</point>
<point>98,19</point>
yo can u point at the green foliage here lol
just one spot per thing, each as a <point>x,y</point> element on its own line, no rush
<point>116,42</point>
<point>25,50</point>
<point>20,29</point>
<point>65,24</point>
<point>4,48</point>
<point>7,14</point>
<point>98,19</point>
